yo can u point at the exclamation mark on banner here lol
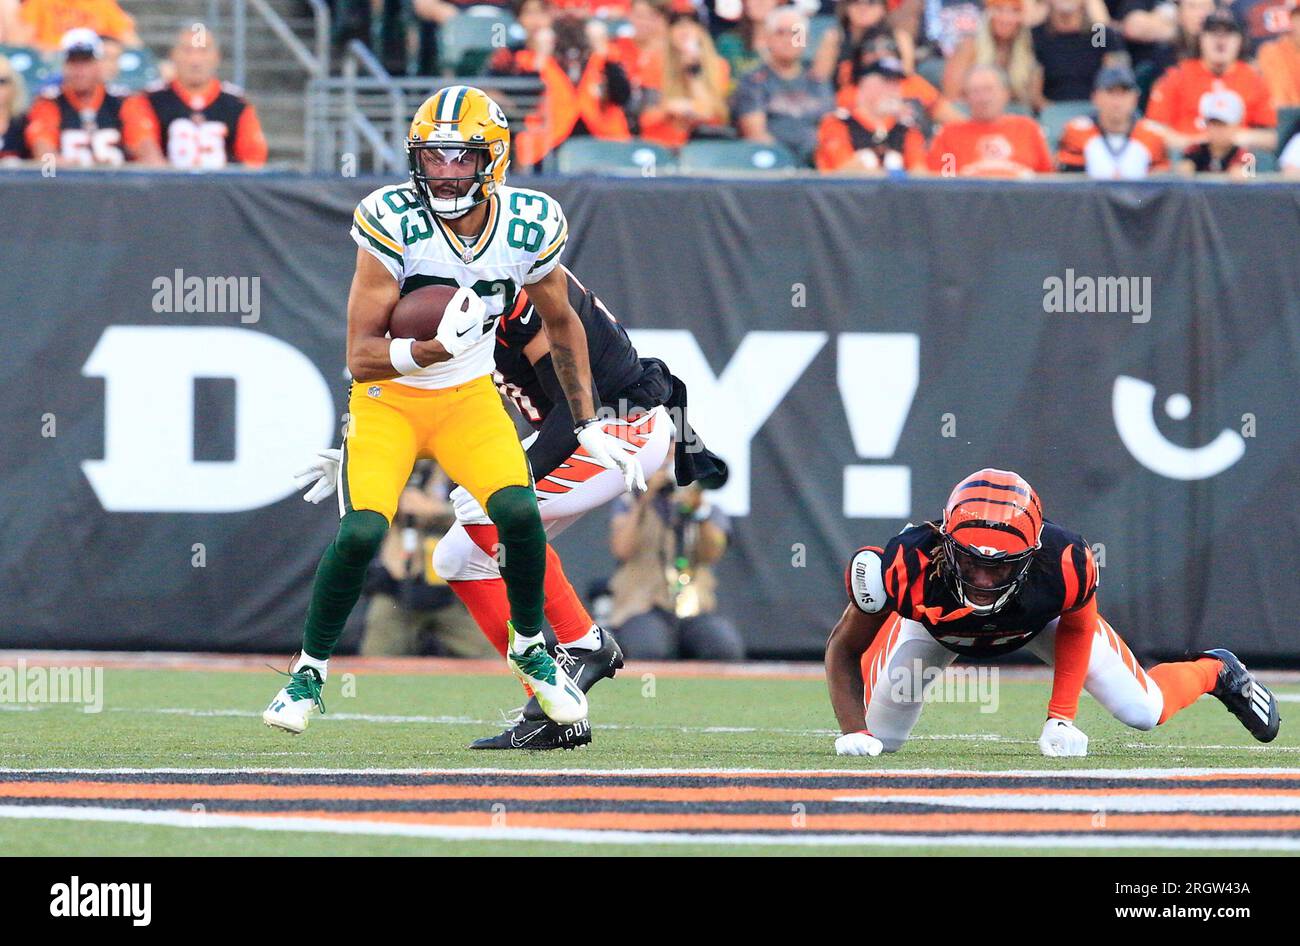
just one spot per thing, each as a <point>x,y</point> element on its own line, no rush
<point>877,374</point>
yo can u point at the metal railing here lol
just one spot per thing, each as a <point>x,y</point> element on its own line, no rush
<point>315,60</point>
<point>358,119</point>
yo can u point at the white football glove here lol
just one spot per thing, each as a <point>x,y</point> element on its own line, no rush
<point>322,476</point>
<point>611,453</point>
<point>858,743</point>
<point>1061,738</point>
<point>468,511</point>
<point>462,322</point>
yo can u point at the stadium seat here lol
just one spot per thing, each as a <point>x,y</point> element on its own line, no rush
<point>466,41</point>
<point>1288,125</point>
<point>1057,115</point>
<point>1265,162</point>
<point>734,156</point>
<point>579,155</point>
<point>931,70</point>
<point>28,63</point>
<point>137,68</point>
<point>818,26</point>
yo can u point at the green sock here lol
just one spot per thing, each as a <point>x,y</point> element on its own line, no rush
<point>339,578</point>
<point>513,511</point>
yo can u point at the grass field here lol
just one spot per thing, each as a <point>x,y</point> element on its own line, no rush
<point>387,771</point>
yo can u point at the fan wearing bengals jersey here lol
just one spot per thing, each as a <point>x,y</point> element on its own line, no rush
<point>990,577</point>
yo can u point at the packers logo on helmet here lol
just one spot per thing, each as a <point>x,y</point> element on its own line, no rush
<point>992,526</point>
<point>458,149</point>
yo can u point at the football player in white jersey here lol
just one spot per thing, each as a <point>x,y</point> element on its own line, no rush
<point>455,223</point>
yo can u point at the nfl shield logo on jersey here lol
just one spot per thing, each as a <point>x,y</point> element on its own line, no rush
<point>373,390</point>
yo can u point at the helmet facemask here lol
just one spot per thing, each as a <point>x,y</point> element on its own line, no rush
<point>450,177</point>
<point>984,579</point>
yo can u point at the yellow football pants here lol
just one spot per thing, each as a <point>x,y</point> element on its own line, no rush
<point>465,429</point>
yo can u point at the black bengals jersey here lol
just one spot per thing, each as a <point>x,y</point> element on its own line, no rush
<point>208,129</point>
<point>621,378</point>
<point>902,578</point>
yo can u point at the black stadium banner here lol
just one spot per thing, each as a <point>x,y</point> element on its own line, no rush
<point>175,351</point>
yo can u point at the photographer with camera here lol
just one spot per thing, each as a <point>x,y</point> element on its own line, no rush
<point>665,604</point>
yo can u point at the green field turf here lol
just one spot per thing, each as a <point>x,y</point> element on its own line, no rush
<point>155,718</point>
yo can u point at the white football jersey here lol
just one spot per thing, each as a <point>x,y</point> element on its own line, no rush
<point>521,242</point>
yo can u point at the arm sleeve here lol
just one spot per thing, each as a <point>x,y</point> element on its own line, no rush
<point>1074,633</point>
<point>250,142</point>
<point>833,146</point>
<point>864,580</point>
<point>139,124</point>
<point>556,230</point>
<point>43,129</point>
<point>370,233</point>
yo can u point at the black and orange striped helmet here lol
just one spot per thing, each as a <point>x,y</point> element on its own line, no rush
<point>992,526</point>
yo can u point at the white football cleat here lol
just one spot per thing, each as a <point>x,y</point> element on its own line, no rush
<point>293,706</point>
<point>558,696</point>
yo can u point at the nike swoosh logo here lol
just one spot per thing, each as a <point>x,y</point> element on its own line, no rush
<point>466,332</point>
<point>379,214</point>
<point>519,743</point>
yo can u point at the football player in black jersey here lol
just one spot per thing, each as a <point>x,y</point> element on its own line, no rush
<point>645,406</point>
<point>989,578</point>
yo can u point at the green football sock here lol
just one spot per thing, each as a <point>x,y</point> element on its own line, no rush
<point>513,511</point>
<point>339,578</point>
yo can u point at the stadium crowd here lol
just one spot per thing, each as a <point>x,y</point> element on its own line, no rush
<point>1002,88</point>
<point>65,101</point>
<point>1005,88</point>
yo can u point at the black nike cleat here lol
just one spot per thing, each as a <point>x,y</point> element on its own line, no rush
<point>538,735</point>
<point>1246,698</point>
<point>585,667</point>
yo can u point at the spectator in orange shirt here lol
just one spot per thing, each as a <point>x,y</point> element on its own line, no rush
<point>1003,40</point>
<point>201,121</point>
<point>641,55</point>
<point>1279,61</point>
<point>693,94</point>
<point>584,92</point>
<point>871,138</point>
<point>1175,102</point>
<point>991,143</point>
<point>1113,143</point>
<point>82,124</point>
<point>49,20</point>
<point>1221,112</point>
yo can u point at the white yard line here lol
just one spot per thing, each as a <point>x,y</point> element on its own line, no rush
<point>1109,774</point>
<point>1102,801</point>
<point>175,819</point>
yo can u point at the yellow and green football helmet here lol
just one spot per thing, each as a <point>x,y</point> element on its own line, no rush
<point>458,149</point>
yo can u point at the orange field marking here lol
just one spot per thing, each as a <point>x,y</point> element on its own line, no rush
<point>560,792</point>
<point>1009,823</point>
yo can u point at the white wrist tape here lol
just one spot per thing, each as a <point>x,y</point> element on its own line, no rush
<point>399,353</point>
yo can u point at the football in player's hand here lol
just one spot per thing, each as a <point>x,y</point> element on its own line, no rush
<point>418,313</point>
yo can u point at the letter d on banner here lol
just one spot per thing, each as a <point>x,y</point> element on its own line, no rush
<point>283,413</point>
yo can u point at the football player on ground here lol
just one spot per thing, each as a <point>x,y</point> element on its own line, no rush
<point>455,224</point>
<point>989,578</point>
<point>645,408</point>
